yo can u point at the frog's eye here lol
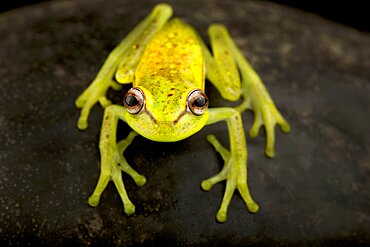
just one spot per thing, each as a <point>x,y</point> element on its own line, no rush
<point>134,100</point>
<point>197,102</point>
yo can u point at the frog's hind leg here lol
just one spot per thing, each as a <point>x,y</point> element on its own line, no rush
<point>113,161</point>
<point>221,68</point>
<point>223,71</point>
<point>123,60</point>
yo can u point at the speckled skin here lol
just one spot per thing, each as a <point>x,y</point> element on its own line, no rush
<point>175,54</point>
<point>171,66</point>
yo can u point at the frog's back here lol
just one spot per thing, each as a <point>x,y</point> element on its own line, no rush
<point>172,61</point>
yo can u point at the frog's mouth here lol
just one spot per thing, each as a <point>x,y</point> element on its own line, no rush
<point>185,125</point>
<point>155,121</point>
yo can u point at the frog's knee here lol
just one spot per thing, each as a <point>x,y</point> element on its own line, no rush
<point>231,93</point>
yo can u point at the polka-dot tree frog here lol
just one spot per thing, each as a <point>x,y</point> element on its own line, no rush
<point>167,63</point>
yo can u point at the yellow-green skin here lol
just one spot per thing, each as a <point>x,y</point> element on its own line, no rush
<point>171,66</point>
<point>167,60</point>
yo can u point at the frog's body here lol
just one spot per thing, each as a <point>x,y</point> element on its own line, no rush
<point>167,63</point>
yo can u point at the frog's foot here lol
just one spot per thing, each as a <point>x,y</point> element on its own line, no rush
<point>234,172</point>
<point>94,93</point>
<point>268,115</point>
<point>113,163</point>
<point>256,98</point>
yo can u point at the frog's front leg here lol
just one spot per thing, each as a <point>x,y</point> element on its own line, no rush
<point>235,168</point>
<point>223,71</point>
<point>112,159</point>
<point>123,60</point>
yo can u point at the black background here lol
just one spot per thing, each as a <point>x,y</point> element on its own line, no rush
<point>350,13</point>
<point>313,193</point>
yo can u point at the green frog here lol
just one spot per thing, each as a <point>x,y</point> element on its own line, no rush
<point>167,63</point>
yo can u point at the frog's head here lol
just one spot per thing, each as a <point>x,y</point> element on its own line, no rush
<point>166,117</point>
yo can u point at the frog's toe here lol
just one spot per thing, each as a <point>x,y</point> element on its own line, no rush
<point>80,101</point>
<point>82,123</point>
<point>253,207</point>
<point>284,126</point>
<point>211,138</point>
<point>116,86</point>
<point>104,102</point>
<point>254,130</point>
<point>206,185</point>
<point>247,198</point>
<point>270,151</point>
<point>221,215</point>
<point>94,200</point>
<point>129,208</point>
<point>84,115</point>
<point>225,154</point>
<point>270,140</point>
<point>140,180</point>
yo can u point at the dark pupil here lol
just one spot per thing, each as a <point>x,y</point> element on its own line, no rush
<point>200,102</point>
<point>131,100</point>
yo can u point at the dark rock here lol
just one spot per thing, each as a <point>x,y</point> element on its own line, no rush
<point>316,190</point>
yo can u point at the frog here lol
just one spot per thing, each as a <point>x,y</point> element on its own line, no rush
<point>167,62</point>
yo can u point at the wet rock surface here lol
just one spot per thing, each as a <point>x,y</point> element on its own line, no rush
<point>315,191</point>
